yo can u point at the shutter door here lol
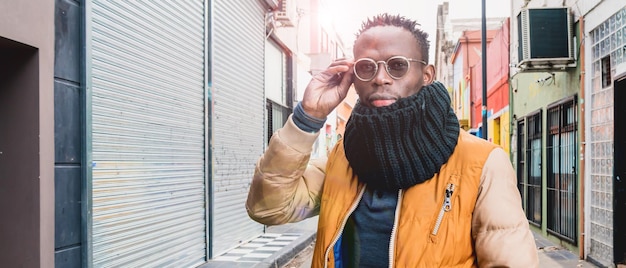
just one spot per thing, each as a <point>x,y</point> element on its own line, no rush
<point>238,116</point>
<point>146,64</point>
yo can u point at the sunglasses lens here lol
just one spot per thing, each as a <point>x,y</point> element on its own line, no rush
<point>397,67</point>
<point>365,69</point>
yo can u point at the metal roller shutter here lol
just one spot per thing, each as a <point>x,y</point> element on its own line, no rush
<point>145,64</point>
<point>238,116</point>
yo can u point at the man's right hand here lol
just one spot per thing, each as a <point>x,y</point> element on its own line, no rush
<point>328,88</point>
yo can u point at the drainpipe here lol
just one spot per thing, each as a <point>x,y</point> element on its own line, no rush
<point>468,71</point>
<point>581,51</point>
<point>483,43</point>
<point>512,120</point>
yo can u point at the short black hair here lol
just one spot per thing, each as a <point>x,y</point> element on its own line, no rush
<point>402,22</point>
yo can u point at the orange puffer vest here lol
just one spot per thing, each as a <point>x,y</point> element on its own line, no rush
<point>433,221</point>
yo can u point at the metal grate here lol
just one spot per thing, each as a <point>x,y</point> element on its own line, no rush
<point>238,114</point>
<point>521,163</point>
<point>562,171</point>
<point>277,116</point>
<point>146,105</point>
<point>533,157</point>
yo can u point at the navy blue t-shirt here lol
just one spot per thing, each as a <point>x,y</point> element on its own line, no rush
<point>367,234</point>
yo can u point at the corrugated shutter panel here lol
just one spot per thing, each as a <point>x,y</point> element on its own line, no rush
<point>148,146</point>
<point>238,116</point>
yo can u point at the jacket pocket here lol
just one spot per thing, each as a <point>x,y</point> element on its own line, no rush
<point>445,208</point>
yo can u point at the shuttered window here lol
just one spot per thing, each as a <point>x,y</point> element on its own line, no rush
<point>278,92</point>
<point>146,106</point>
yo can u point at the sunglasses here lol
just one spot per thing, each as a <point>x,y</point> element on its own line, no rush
<point>366,69</point>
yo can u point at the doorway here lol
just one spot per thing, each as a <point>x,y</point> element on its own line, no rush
<point>619,172</point>
<point>19,154</point>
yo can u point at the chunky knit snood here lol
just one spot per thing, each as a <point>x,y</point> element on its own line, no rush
<point>405,143</point>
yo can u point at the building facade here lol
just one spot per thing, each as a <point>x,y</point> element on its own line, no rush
<point>604,188</point>
<point>457,57</point>
<point>535,106</point>
<point>566,123</point>
<point>545,118</point>
<point>27,124</point>
<point>320,44</point>
<point>465,60</point>
<point>497,89</point>
<point>130,130</point>
<point>165,129</point>
<point>444,48</point>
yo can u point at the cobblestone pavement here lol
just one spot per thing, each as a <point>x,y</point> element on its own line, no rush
<point>552,255</point>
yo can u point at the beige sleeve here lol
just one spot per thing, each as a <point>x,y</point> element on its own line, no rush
<point>499,226</point>
<point>286,186</point>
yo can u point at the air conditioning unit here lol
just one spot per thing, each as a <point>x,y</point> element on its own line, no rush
<point>545,38</point>
<point>287,13</point>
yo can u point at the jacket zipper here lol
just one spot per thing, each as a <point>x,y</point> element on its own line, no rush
<point>343,225</point>
<point>392,241</point>
<point>447,206</point>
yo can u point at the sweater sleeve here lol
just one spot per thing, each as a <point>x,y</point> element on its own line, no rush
<point>499,227</point>
<point>305,121</point>
<point>287,184</point>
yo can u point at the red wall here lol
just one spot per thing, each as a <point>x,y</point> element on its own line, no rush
<point>497,76</point>
<point>468,51</point>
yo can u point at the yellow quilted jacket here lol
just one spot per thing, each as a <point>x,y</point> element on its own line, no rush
<point>468,215</point>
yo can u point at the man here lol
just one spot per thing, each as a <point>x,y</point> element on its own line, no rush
<point>405,187</point>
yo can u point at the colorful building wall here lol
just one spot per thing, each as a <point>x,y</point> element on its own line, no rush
<point>545,127</point>
<point>467,54</point>
<point>497,89</point>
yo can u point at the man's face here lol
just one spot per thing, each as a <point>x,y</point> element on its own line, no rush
<point>379,44</point>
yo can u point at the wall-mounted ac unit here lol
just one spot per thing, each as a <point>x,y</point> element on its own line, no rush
<point>287,13</point>
<point>545,38</point>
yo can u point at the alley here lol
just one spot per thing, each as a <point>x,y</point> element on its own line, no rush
<point>131,131</point>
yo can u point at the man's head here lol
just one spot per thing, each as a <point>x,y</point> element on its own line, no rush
<point>391,60</point>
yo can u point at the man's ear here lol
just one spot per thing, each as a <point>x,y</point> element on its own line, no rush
<point>429,74</point>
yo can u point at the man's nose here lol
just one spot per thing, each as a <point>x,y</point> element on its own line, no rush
<point>382,76</point>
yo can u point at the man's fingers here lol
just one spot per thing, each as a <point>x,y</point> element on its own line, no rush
<point>333,70</point>
<point>346,80</point>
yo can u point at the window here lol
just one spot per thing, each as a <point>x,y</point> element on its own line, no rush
<point>278,86</point>
<point>324,42</point>
<point>533,157</point>
<point>521,150</point>
<point>276,117</point>
<point>606,72</point>
<point>562,166</point>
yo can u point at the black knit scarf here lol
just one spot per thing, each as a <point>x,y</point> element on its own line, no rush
<point>405,143</point>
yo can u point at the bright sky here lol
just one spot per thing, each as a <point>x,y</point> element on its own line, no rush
<point>349,14</point>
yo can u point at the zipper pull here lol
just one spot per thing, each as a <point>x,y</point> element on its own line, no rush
<point>447,205</point>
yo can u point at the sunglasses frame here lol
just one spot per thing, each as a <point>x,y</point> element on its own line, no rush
<point>408,60</point>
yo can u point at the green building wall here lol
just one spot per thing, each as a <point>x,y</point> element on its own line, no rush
<point>536,90</point>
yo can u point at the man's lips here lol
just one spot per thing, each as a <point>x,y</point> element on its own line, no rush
<point>381,103</point>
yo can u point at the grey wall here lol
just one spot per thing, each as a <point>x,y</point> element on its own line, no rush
<point>67,133</point>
